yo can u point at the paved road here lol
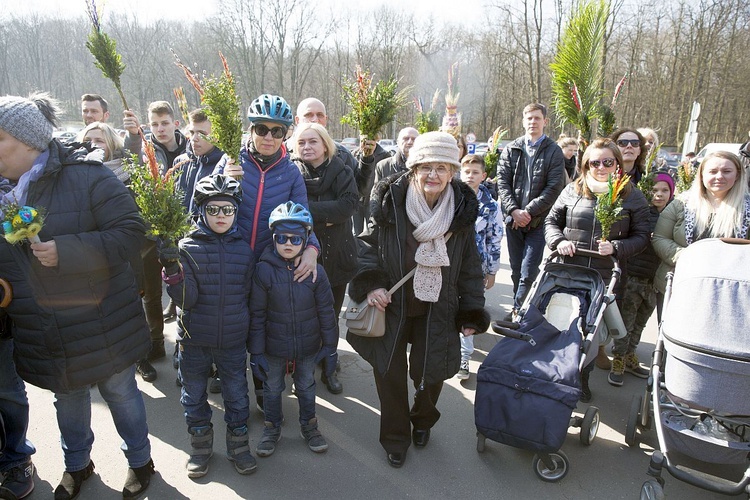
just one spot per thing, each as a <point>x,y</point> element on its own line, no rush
<point>355,465</point>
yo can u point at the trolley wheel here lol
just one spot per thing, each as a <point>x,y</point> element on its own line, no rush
<point>480,442</point>
<point>652,490</point>
<point>556,469</point>
<point>632,425</point>
<point>589,425</point>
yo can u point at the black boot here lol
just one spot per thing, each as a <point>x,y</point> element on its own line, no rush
<point>146,370</point>
<point>70,484</point>
<point>201,444</point>
<point>332,383</point>
<point>138,480</point>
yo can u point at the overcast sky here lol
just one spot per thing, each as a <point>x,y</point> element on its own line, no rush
<point>190,10</point>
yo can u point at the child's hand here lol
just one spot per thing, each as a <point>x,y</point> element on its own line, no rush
<point>489,281</point>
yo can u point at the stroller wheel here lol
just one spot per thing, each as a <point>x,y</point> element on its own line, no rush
<point>480,442</point>
<point>555,468</point>
<point>589,425</point>
<point>632,425</point>
<point>652,490</point>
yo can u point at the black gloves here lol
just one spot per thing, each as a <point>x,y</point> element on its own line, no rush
<point>169,257</point>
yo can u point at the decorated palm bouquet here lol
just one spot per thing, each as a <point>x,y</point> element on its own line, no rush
<point>371,106</point>
<point>493,156</point>
<point>685,176</point>
<point>452,118</point>
<point>427,120</point>
<point>21,223</point>
<point>608,209</point>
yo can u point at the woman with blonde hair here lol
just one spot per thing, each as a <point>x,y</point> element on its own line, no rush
<point>716,206</point>
<point>104,137</point>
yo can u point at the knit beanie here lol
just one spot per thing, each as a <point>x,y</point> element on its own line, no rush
<point>664,177</point>
<point>439,147</point>
<point>31,120</point>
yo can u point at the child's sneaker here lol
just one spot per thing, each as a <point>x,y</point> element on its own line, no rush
<point>616,373</point>
<point>463,372</point>
<point>267,444</point>
<point>634,367</point>
<point>311,434</point>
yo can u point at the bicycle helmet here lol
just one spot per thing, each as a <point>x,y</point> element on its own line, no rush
<point>217,185</point>
<point>293,213</point>
<point>270,108</point>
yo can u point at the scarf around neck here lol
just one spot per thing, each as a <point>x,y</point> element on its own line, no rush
<point>430,224</point>
<point>595,186</point>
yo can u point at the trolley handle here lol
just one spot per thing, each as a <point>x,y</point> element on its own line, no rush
<point>581,252</point>
<point>507,329</point>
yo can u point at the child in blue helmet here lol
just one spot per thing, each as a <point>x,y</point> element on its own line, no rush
<point>209,278</point>
<point>290,321</point>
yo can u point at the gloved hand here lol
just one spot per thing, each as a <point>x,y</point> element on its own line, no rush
<point>169,257</point>
<point>329,357</point>
<point>259,365</point>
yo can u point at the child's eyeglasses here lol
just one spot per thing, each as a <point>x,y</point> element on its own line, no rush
<point>623,143</point>
<point>283,238</point>
<point>276,132</point>
<point>226,210</point>
<point>605,163</point>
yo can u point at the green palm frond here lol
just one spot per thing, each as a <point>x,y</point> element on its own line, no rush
<point>578,70</point>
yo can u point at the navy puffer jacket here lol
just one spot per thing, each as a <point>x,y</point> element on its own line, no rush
<point>290,320</point>
<point>215,292</point>
<point>82,321</point>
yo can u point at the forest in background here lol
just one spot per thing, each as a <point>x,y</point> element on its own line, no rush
<point>674,53</point>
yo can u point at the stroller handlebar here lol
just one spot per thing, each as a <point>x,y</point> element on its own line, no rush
<point>581,252</point>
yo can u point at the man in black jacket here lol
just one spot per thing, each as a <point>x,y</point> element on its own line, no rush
<point>397,162</point>
<point>531,175</point>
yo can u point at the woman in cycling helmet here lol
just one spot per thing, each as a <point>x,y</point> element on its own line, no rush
<point>269,178</point>
<point>210,278</point>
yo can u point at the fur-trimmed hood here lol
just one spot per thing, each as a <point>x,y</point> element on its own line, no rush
<point>393,188</point>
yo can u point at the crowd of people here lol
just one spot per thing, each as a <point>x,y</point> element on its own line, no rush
<point>279,237</point>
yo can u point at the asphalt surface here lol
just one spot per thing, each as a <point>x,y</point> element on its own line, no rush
<point>355,465</point>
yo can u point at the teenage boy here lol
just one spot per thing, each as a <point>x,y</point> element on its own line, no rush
<point>531,175</point>
<point>169,143</point>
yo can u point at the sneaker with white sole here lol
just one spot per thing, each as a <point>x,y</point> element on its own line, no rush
<point>463,372</point>
<point>633,367</point>
<point>616,373</point>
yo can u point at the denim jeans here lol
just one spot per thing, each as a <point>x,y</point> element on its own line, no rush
<point>304,383</point>
<point>125,403</point>
<point>15,411</point>
<point>467,347</point>
<point>525,252</point>
<point>195,372</point>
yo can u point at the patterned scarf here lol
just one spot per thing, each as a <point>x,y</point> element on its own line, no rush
<point>740,232</point>
<point>430,228</point>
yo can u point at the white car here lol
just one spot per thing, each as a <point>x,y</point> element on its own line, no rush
<point>388,144</point>
<point>712,147</point>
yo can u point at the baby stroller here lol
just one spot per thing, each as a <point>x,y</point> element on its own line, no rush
<point>698,395</point>
<point>527,390</point>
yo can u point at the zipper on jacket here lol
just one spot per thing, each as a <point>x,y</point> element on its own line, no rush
<point>222,288</point>
<point>290,268</point>
<point>403,295</point>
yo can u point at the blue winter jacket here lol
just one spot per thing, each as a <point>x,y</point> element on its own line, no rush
<point>264,190</point>
<point>290,319</point>
<point>489,228</point>
<point>214,295</point>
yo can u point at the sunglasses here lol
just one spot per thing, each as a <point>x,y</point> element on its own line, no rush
<point>276,132</point>
<point>283,238</point>
<point>227,210</point>
<point>605,163</point>
<point>623,143</point>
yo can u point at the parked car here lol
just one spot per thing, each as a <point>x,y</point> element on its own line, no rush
<point>64,135</point>
<point>350,143</point>
<point>388,144</point>
<point>481,148</point>
<point>712,147</point>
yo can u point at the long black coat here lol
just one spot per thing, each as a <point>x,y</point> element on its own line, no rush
<point>333,198</point>
<point>81,321</point>
<point>382,264</point>
<point>572,218</point>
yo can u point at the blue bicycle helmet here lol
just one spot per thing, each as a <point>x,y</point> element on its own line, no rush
<point>217,185</point>
<point>290,212</point>
<point>270,108</point>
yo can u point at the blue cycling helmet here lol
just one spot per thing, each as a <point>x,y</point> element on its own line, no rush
<point>217,185</point>
<point>270,108</point>
<point>291,213</point>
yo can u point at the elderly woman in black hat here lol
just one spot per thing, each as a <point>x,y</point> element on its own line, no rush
<point>424,219</point>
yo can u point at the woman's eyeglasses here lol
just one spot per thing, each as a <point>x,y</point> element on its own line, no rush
<point>605,163</point>
<point>440,171</point>
<point>226,210</point>
<point>623,143</point>
<point>276,132</point>
<point>283,238</point>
